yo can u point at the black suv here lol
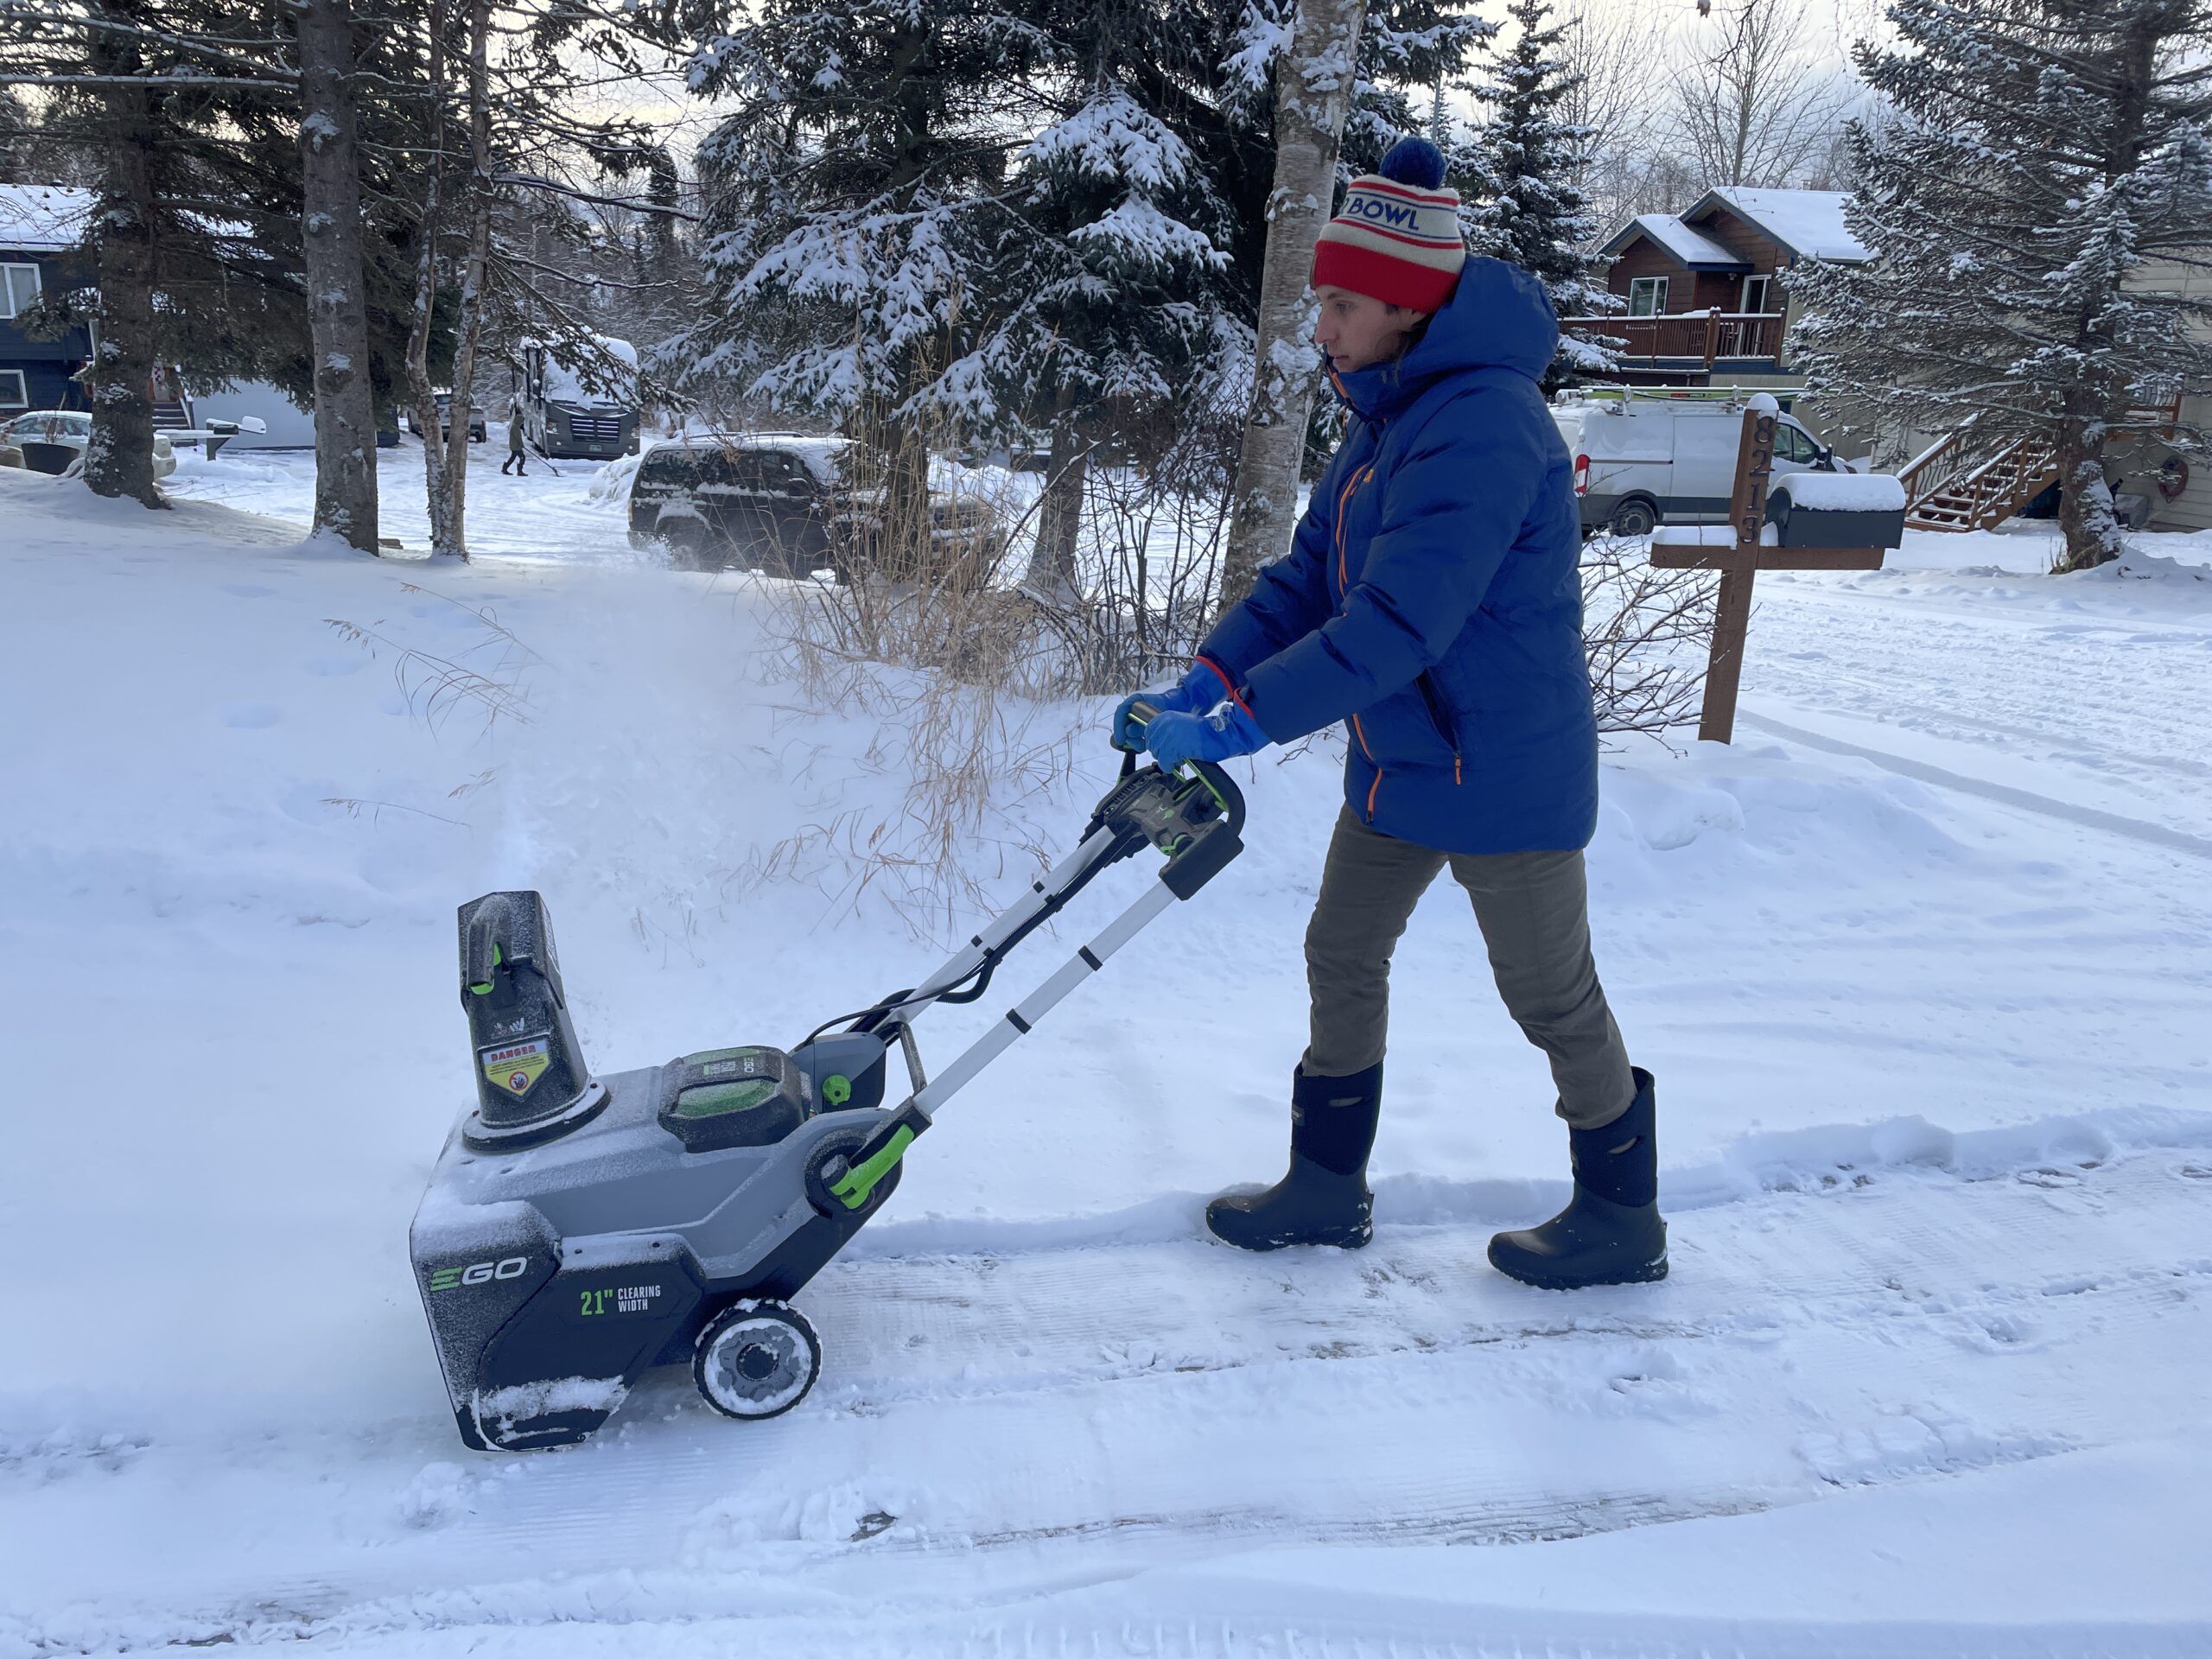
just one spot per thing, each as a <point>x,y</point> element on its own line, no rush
<point>759,503</point>
<point>771,501</point>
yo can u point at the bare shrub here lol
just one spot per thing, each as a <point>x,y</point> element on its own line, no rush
<point>909,619</point>
<point>1646,632</point>
<point>1147,565</point>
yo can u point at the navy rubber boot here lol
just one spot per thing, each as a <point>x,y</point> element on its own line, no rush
<point>1324,1200</point>
<point>1610,1233</point>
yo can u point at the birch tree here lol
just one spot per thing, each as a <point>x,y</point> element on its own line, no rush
<point>1313,86</point>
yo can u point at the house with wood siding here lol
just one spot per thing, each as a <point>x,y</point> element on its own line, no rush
<point>2178,487</point>
<point>1707,300</point>
<point>1707,304</point>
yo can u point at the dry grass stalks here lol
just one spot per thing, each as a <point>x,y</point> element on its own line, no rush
<point>434,687</point>
<point>922,634</point>
<point>1148,566</point>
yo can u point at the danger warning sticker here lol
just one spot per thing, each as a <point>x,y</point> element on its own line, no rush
<point>515,1066</point>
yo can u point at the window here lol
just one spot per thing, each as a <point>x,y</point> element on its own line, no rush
<point>1757,290</point>
<point>1793,444</point>
<point>18,288</point>
<point>1646,297</point>
<point>13,392</point>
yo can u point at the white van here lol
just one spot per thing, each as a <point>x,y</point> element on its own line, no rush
<point>1667,457</point>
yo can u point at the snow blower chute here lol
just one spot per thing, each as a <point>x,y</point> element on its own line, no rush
<point>580,1231</point>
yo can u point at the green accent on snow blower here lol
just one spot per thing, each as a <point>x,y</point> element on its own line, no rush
<point>853,1188</point>
<point>715,1099</point>
<point>1204,783</point>
<point>837,1088</point>
<point>485,989</point>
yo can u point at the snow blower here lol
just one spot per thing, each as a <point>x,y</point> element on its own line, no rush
<point>582,1230</point>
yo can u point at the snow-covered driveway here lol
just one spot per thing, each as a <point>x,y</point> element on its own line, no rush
<point>1931,1029</point>
<point>2082,705</point>
<point>566,512</point>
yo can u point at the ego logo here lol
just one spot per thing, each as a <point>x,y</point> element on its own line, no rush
<point>478,1273</point>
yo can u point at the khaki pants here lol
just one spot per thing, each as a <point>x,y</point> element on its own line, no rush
<point>1532,908</point>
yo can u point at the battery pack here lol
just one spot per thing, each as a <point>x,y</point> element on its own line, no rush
<point>750,1096</point>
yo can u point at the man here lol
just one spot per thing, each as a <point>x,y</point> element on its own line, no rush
<point>1431,601</point>
<point>517,457</point>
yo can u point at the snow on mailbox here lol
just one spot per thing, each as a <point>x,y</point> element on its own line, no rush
<point>1837,510</point>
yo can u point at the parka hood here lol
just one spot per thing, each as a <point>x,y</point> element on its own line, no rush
<point>1498,317</point>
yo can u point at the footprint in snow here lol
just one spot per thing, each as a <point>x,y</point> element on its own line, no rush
<point>249,716</point>
<point>248,590</point>
<point>333,666</point>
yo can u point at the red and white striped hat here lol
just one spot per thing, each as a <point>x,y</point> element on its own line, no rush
<point>1396,238</point>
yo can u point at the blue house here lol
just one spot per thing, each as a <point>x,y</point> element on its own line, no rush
<point>42,228</point>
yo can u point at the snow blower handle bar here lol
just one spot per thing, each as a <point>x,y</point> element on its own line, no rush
<point>1196,820</point>
<point>1218,783</point>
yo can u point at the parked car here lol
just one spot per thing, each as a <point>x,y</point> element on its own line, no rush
<point>476,429</point>
<point>52,440</point>
<point>1649,457</point>
<point>780,502</point>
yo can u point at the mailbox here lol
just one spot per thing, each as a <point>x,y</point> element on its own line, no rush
<point>1836,510</point>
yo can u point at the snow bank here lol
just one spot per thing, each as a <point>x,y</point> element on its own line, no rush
<point>1843,491</point>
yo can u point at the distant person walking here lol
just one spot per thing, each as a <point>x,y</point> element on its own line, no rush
<point>516,454</point>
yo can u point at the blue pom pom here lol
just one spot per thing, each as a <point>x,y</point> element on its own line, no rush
<point>1415,161</point>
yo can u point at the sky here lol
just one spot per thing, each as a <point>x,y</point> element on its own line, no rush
<point>1830,27</point>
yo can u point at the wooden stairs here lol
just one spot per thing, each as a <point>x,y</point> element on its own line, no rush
<point>1959,484</point>
<point>1973,480</point>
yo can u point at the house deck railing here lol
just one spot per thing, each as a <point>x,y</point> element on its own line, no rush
<point>1693,339</point>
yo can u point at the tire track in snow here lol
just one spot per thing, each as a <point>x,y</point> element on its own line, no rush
<point>2094,712</point>
<point>2087,817</point>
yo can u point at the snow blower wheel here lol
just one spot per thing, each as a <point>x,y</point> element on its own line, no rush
<point>756,1360</point>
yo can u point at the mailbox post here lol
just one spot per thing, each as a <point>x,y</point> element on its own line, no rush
<point>1738,550</point>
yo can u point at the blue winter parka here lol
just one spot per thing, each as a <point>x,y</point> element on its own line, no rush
<point>1431,599</point>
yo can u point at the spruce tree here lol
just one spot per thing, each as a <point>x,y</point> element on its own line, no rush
<point>854,207</point>
<point>2045,180</point>
<point>1530,209</point>
<point>1120,303</point>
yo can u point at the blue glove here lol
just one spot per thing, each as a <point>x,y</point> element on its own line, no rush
<point>1177,738</point>
<point>1197,691</point>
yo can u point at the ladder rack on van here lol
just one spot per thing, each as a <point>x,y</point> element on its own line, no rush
<point>1615,400</point>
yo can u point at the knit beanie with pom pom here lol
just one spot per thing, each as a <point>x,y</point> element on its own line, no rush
<point>1398,238</point>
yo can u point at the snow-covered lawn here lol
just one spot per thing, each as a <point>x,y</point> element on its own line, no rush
<point>1923,964</point>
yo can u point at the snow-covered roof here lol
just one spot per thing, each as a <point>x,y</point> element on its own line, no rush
<point>563,384</point>
<point>1692,247</point>
<point>1810,223</point>
<point>42,218</point>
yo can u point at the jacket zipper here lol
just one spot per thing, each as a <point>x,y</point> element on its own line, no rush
<point>1436,713</point>
<point>1343,592</point>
